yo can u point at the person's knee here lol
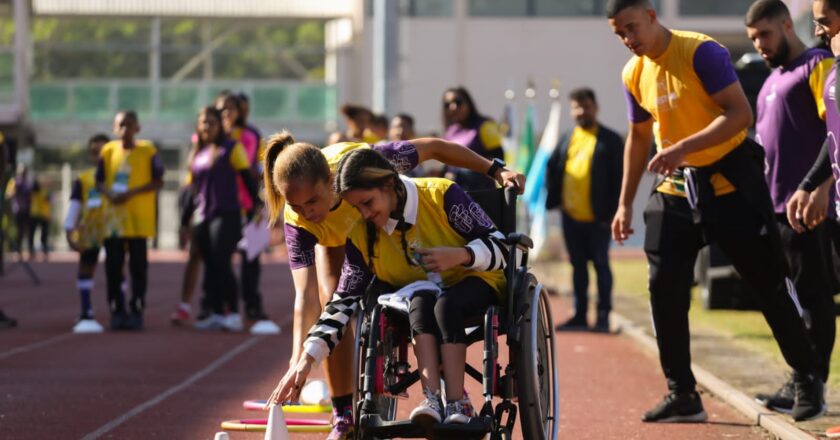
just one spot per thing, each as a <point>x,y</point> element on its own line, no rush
<point>449,317</point>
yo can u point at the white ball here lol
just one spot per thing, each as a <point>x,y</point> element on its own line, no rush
<point>315,392</point>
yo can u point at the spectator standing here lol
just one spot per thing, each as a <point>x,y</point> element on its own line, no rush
<point>584,181</point>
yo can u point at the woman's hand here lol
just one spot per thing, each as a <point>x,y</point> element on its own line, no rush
<point>288,390</point>
<point>507,177</point>
<point>439,259</point>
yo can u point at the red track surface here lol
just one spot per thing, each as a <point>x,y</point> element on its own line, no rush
<point>178,383</point>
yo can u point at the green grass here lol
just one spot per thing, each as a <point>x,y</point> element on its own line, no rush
<point>744,327</point>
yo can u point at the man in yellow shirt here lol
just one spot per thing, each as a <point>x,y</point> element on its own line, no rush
<point>129,174</point>
<point>682,90</point>
<point>583,180</point>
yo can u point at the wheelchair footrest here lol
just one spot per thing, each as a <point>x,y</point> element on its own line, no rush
<point>374,425</point>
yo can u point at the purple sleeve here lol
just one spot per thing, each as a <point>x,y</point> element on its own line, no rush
<point>635,112</point>
<point>355,274</point>
<point>402,154</point>
<point>714,67</point>
<point>76,191</point>
<point>157,167</point>
<point>100,171</point>
<point>465,215</point>
<point>300,245</point>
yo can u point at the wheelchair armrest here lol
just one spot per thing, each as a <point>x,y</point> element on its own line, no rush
<point>520,240</point>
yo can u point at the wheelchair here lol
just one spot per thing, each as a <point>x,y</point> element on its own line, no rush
<point>527,385</point>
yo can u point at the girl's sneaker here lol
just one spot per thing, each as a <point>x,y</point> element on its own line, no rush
<point>342,424</point>
<point>214,321</point>
<point>459,411</point>
<point>430,409</point>
<point>233,322</point>
<point>181,316</point>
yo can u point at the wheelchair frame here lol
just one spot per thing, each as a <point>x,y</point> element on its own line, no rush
<point>530,379</point>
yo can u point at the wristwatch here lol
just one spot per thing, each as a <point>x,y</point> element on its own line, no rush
<point>495,166</point>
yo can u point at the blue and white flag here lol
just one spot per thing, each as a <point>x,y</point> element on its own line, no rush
<point>535,188</point>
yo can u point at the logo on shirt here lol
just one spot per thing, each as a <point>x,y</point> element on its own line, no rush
<point>772,96</point>
<point>352,277</point>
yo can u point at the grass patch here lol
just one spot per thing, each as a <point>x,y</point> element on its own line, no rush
<point>744,327</point>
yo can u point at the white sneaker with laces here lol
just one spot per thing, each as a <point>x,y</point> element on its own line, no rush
<point>212,322</point>
<point>459,411</point>
<point>430,409</point>
<point>233,322</point>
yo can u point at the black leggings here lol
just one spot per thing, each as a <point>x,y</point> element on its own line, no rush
<point>460,306</point>
<point>216,238</point>
<point>138,267</point>
<point>43,224</point>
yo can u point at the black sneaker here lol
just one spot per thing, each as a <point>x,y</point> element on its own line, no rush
<point>674,408</point>
<point>118,320</point>
<point>576,324</point>
<point>810,397</point>
<point>602,325</point>
<point>6,322</point>
<point>134,322</point>
<point>781,401</point>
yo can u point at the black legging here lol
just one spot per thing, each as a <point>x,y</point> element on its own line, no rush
<point>138,267</point>
<point>43,224</point>
<point>459,306</point>
<point>217,238</point>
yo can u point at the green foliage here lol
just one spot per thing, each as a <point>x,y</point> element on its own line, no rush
<point>84,48</point>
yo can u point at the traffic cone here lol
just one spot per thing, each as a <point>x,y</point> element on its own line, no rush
<point>276,428</point>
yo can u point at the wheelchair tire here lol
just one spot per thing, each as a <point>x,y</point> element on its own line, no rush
<point>536,371</point>
<point>367,331</point>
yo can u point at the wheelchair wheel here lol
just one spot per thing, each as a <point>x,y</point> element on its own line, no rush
<point>376,351</point>
<point>536,371</point>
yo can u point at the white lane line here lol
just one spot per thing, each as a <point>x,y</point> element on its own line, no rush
<point>246,344</point>
<point>35,345</point>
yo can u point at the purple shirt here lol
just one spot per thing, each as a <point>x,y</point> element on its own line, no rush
<point>789,126</point>
<point>214,182</point>
<point>832,123</point>
<point>22,200</point>
<point>300,243</point>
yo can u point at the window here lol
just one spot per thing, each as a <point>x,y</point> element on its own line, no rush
<point>417,8</point>
<point>539,8</point>
<point>735,8</point>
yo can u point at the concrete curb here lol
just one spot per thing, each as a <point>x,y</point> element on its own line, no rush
<point>777,424</point>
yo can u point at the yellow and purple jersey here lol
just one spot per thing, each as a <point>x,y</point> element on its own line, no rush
<point>790,121</point>
<point>122,169</point>
<point>675,89</point>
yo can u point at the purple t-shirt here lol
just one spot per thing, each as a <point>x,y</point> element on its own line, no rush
<point>22,200</point>
<point>789,126</point>
<point>300,243</point>
<point>832,123</point>
<point>214,181</point>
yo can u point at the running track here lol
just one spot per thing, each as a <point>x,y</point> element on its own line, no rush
<point>177,383</point>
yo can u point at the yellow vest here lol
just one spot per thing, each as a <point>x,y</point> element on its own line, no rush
<point>127,169</point>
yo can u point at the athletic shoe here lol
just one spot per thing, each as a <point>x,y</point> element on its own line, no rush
<point>118,320</point>
<point>134,322</point>
<point>6,322</point>
<point>212,322</point>
<point>781,401</point>
<point>833,432</point>
<point>255,315</point>
<point>602,325</point>
<point>179,317</point>
<point>577,323</point>
<point>342,425</point>
<point>677,407</point>
<point>87,326</point>
<point>430,409</point>
<point>459,411</point>
<point>233,322</point>
<point>810,397</point>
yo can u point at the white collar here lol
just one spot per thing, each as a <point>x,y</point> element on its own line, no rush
<point>410,209</point>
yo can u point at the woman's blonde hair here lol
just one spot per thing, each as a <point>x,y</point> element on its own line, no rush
<point>287,160</point>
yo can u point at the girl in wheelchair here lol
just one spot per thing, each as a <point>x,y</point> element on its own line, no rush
<point>450,234</point>
<point>298,186</point>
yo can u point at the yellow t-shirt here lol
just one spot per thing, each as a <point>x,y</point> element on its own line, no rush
<point>577,179</point>
<point>41,207</point>
<point>92,225</point>
<point>670,90</point>
<point>490,135</point>
<point>127,169</point>
<point>432,229</point>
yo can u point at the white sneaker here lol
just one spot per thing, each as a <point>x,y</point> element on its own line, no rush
<point>430,409</point>
<point>212,322</point>
<point>232,322</point>
<point>459,411</point>
<point>265,327</point>
<point>88,326</point>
